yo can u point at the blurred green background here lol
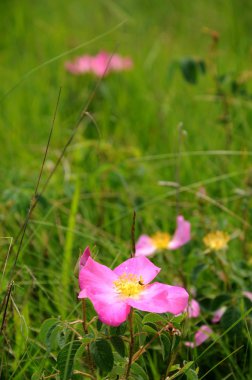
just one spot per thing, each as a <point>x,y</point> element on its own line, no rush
<point>192,64</point>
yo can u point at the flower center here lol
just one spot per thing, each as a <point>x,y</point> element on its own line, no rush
<point>129,285</point>
<point>161,240</point>
<point>216,240</point>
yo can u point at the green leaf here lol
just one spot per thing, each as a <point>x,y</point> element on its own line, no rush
<point>188,68</point>
<point>191,374</point>
<point>118,345</point>
<point>119,330</point>
<point>65,359</point>
<point>87,338</point>
<point>150,328</point>
<point>165,346</point>
<point>138,372</point>
<point>102,354</point>
<point>178,319</point>
<point>98,324</point>
<point>154,318</point>
<point>46,332</point>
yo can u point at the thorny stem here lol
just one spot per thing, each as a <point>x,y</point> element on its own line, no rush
<point>84,316</point>
<point>131,344</point>
<point>85,329</point>
<point>144,348</point>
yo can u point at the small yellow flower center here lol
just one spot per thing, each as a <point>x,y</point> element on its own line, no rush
<point>129,285</point>
<point>216,240</point>
<point>161,240</point>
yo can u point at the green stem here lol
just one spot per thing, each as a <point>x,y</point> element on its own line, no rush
<point>85,329</point>
<point>131,344</point>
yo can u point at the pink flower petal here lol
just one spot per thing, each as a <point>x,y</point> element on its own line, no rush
<point>218,314</point>
<point>145,246</point>
<point>161,298</point>
<point>193,309</point>
<point>80,65</point>
<point>248,295</point>
<point>84,257</point>
<point>139,266</point>
<point>100,65</point>
<point>200,337</point>
<point>112,313</point>
<point>98,277</point>
<point>182,234</point>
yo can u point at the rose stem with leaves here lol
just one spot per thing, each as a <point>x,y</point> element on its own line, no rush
<point>130,318</point>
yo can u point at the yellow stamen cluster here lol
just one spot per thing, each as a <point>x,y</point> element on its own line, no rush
<point>129,285</point>
<point>161,240</point>
<point>216,240</point>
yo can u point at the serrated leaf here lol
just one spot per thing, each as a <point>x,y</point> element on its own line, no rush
<point>178,319</point>
<point>165,346</point>
<point>102,354</point>
<point>65,359</point>
<point>47,330</point>
<point>154,318</point>
<point>149,329</point>
<point>118,344</point>
<point>138,372</point>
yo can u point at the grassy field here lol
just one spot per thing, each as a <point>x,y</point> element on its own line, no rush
<point>183,114</point>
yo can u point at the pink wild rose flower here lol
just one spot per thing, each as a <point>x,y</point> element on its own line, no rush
<point>200,337</point>
<point>114,292</point>
<point>218,314</point>
<point>148,245</point>
<point>100,64</point>
<point>193,309</point>
<point>248,295</point>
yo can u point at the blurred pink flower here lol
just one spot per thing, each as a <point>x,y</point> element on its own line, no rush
<point>114,292</point>
<point>218,314</point>
<point>200,337</point>
<point>100,64</point>
<point>148,245</point>
<point>193,309</point>
<point>248,295</point>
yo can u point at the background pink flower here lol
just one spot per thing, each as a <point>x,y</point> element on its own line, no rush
<point>148,245</point>
<point>193,309</point>
<point>114,292</point>
<point>100,64</point>
<point>218,314</point>
<point>248,295</point>
<point>200,337</point>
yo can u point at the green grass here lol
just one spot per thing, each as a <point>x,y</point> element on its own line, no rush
<point>115,166</point>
